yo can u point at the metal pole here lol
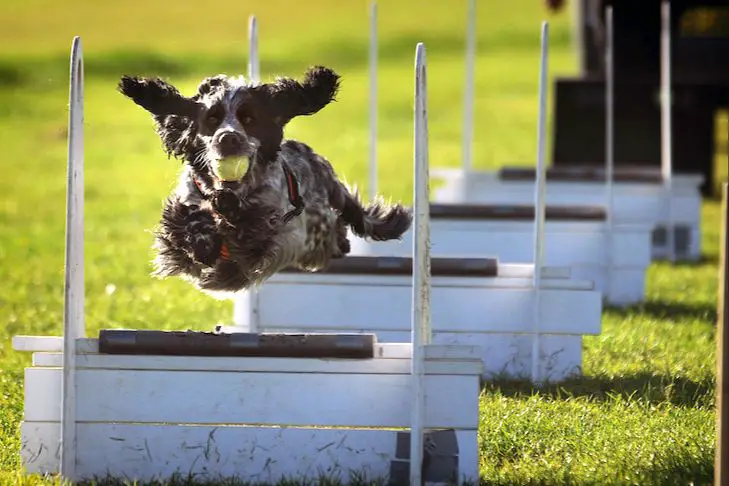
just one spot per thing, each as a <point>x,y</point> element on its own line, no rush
<point>421,331</point>
<point>254,64</point>
<point>539,202</point>
<point>74,325</point>
<point>469,87</point>
<point>666,124</point>
<point>373,101</point>
<point>609,142</point>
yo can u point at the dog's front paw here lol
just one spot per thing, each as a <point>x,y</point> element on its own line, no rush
<point>227,204</point>
<point>203,241</point>
<point>206,249</point>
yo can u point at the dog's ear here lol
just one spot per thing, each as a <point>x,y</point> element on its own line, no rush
<point>158,97</point>
<point>175,115</point>
<point>292,98</point>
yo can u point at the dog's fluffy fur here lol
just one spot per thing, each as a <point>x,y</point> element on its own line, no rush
<point>228,236</point>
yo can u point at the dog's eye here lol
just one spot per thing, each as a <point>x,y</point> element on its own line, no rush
<point>213,120</point>
<point>245,117</point>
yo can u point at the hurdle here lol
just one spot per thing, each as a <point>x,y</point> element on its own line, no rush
<point>208,406</point>
<point>656,197</point>
<point>613,255</point>
<point>476,301</point>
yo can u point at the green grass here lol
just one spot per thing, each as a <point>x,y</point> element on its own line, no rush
<point>642,414</point>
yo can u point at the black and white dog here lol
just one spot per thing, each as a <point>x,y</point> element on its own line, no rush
<point>283,207</point>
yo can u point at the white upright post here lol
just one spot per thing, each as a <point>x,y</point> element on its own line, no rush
<point>469,87</point>
<point>254,64</point>
<point>421,330</point>
<point>73,313</point>
<point>666,124</point>
<point>373,101</point>
<point>539,202</point>
<point>609,143</point>
<point>245,302</point>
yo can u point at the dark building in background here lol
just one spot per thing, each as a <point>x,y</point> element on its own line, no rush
<point>700,79</point>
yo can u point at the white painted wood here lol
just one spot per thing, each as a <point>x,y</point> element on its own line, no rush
<point>210,453</point>
<point>510,355</point>
<point>37,343</point>
<point>468,92</point>
<point>633,203</point>
<point>398,350</point>
<point>254,63</point>
<point>52,344</point>
<point>379,366</point>
<point>373,101</point>
<point>73,314</point>
<point>245,312</point>
<point>421,288</point>
<point>666,123</point>
<point>609,139</point>
<point>454,309</point>
<point>581,245</point>
<point>539,201</point>
<point>473,314</point>
<point>260,398</point>
<point>503,354</point>
<point>526,270</point>
<point>512,282</point>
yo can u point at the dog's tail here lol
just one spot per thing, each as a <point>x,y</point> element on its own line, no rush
<point>378,220</point>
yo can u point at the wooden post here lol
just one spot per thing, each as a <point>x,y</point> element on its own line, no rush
<point>74,326</point>
<point>721,463</point>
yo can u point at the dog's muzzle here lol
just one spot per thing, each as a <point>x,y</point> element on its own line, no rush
<point>228,144</point>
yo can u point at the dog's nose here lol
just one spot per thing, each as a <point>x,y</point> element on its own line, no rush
<point>229,143</point>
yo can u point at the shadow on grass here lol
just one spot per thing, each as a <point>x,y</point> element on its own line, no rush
<point>646,387</point>
<point>659,309</point>
<point>345,53</point>
<point>704,259</point>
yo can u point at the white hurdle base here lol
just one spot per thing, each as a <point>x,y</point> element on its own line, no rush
<point>494,313</point>
<point>633,202</point>
<point>254,419</point>
<point>582,246</point>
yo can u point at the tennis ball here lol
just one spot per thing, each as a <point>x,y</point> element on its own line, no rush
<point>231,168</point>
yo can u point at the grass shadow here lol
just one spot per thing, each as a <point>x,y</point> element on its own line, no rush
<point>659,309</point>
<point>704,259</point>
<point>647,387</point>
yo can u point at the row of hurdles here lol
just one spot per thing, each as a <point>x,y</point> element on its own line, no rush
<point>605,224</point>
<point>602,229</point>
<point>150,405</point>
<point>484,301</point>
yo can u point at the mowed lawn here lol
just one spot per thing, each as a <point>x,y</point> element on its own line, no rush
<point>642,414</point>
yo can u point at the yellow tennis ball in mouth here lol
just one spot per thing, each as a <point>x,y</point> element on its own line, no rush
<point>231,168</point>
